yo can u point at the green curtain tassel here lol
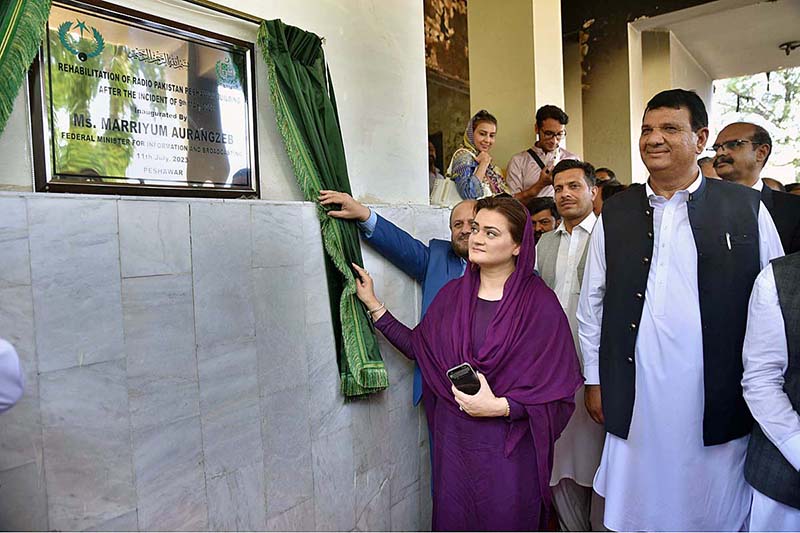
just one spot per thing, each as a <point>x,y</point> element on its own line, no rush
<point>305,111</point>
<point>22,27</point>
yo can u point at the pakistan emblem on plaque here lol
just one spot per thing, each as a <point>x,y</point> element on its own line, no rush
<point>78,46</point>
<point>226,74</point>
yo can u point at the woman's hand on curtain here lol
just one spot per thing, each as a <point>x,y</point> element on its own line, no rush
<point>365,290</point>
<point>483,403</point>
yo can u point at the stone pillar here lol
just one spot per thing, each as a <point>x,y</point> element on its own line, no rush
<point>515,66</point>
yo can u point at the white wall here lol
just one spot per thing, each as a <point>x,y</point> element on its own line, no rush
<point>687,73</point>
<point>377,59</point>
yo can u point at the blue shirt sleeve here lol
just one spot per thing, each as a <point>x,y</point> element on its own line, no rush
<point>368,226</point>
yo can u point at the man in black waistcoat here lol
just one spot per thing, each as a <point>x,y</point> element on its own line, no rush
<point>742,151</point>
<point>772,390</point>
<point>662,319</point>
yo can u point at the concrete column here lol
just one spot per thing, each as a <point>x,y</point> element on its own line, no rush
<point>515,66</point>
<point>573,97</point>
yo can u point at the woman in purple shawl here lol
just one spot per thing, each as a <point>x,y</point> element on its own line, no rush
<point>492,452</point>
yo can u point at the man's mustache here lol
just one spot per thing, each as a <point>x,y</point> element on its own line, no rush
<point>720,160</point>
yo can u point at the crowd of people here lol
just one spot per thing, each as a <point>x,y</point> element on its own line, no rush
<point>636,348</point>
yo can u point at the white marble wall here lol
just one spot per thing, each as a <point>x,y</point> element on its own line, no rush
<point>181,372</point>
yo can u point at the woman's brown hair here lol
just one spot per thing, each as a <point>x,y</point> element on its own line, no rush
<point>513,211</point>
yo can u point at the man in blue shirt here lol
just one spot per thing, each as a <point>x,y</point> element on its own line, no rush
<point>432,265</point>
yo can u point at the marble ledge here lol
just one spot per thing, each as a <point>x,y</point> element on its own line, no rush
<point>186,199</point>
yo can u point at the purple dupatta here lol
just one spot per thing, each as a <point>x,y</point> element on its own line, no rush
<point>528,353</point>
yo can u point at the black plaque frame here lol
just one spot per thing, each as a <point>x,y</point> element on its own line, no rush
<point>42,136</point>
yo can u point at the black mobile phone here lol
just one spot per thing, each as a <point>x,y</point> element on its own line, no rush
<point>464,378</point>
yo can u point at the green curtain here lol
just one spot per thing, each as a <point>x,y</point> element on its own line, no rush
<point>22,26</point>
<point>305,108</point>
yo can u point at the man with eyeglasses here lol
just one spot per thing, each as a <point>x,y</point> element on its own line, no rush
<point>742,150</point>
<point>530,173</point>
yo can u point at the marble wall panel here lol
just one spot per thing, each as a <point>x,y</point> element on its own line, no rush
<point>371,434</point>
<point>298,518</point>
<point>431,223</point>
<point>403,425</point>
<point>400,216</point>
<point>221,266</point>
<point>280,328</point>
<point>328,413</point>
<point>154,238</point>
<point>317,305</point>
<point>170,484</point>
<point>14,261</point>
<point>229,405</point>
<point>287,449</point>
<point>76,281</point>
<point>87,445</point>
<point>159,342</point>
<point>334,490</point>
<point>373,509</point>
<point>405,513</point>
<point>425,498</point>
<point>194,431</point>
<point>20,428</point>
<point>277,233</point>
<point>23,501</point>
<point>236,500</point>
<point>401,376</point>
<point>126,522</point>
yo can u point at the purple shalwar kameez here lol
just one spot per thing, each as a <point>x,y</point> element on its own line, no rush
<point>494,473</point>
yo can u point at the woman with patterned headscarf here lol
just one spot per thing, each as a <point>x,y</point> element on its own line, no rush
<point>471,166</point>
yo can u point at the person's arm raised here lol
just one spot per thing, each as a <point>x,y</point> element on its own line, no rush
<point>401,249</point>
<point>545,179</point>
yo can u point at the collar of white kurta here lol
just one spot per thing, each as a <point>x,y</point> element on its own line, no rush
<point>758,185</point>
<point>688,190</point>
<point>587,224</point>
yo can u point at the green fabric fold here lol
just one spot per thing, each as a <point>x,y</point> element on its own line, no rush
<point>305,108</point>
<point>22,27</point>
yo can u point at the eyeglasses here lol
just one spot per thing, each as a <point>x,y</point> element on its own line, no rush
<point>730,145</point>
<point>550,134</point>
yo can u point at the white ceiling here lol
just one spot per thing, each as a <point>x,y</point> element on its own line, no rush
<point>734,37</point>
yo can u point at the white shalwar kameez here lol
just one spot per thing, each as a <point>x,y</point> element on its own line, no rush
<point>577,450</point>
<point>766,357</point>
<point>663,477</point>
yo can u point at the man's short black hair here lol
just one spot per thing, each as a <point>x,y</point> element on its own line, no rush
<point>607,183</point>
<point>551,111</point>
<point>569,164</point>
<point>678,98</point>
<point>705,161</point>
<point>761,136</point>
<point>611,174</point>
<point>774,184</point>
<point>791,187</point>
<point>541,203</point>
<point>610,190</point>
